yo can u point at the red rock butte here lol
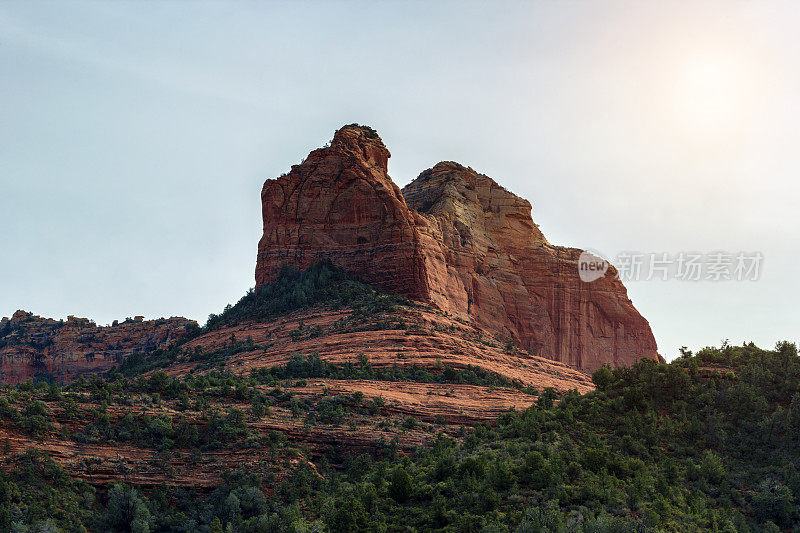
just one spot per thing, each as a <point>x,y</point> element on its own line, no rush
<point>453,238</point>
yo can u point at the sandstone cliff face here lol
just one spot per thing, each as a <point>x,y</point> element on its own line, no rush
<point>453,238</point>
<point>34,346</point>
<point>341,205</point>
<point>494,264</point>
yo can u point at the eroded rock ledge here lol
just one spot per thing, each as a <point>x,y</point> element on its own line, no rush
<point>32,346</point>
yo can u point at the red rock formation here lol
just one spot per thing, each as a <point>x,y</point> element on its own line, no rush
<point>31,345</point>
<point>340,204</point>
<point>453,237</point>
<point>491,262</point>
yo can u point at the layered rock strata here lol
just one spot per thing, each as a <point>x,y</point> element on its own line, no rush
<point>453,238</point>
<point>36,347</point>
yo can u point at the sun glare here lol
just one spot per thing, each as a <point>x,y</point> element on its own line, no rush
<point>709,94</point>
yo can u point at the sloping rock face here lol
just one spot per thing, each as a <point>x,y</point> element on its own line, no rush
<point>453,238</point>
<point>492,262</point>
<point>32,346</point>
<point>406,337</point>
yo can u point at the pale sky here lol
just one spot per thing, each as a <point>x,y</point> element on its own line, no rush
<point>135,137</point>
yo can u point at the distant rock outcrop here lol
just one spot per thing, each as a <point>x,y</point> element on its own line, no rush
<point>453,238</point>
<point>32,346</point>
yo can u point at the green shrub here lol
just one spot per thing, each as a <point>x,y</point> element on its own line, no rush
<point>400,487</point>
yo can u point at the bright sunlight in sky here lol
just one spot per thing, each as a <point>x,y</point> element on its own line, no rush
<point>709,93</point>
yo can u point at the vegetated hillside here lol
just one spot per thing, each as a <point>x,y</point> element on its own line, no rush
<point>707,442</point>
<point>322,312</point>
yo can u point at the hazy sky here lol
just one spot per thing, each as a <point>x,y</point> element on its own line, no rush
<point>135,137</point>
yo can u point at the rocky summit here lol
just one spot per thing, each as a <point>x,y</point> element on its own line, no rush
<point>452,238</point>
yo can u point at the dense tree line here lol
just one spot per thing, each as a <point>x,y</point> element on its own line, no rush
<point>706,442</point>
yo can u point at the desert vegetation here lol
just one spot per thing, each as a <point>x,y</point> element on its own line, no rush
<point>321,285</point>
<point>707,442</point>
